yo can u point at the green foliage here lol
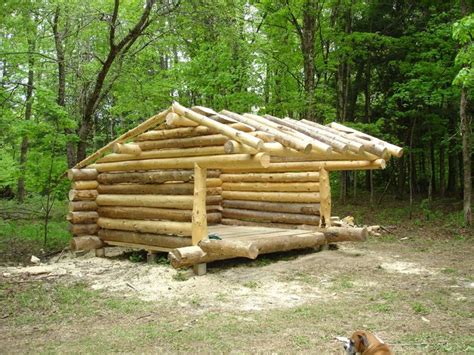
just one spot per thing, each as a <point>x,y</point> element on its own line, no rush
<point>463,32</point>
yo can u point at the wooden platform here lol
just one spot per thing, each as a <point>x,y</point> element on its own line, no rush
<point>247,233</point>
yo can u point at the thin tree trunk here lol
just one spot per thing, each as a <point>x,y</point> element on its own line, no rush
<point>466,156</point>
<point>433,164</point>
<point>27,117</point>
<point>442,170</point>
<point>61,95</point>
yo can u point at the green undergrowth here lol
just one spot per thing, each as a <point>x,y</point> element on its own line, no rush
<point>22,230</point>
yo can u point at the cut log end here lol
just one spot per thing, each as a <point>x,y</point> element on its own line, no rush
<point>86,242</point>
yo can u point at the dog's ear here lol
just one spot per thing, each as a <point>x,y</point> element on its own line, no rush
<point>363,339</point>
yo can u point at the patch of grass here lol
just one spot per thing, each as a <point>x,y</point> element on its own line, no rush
<point>343,283</point>
<point>181,276</point>
<point>420,308</point>
<point>301,341</point>
<point>382,308</point>
<point>137,256</point>
<point>251,284</point>
<point>162,260</point>
<point>449,270</point>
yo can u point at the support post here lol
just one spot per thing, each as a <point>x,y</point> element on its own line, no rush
<point>100,253</point>
<point>151,257</point>
<point>325,195</point>
<point>199,218</point>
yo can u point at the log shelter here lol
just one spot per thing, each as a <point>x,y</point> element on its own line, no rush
<point>205,185</point>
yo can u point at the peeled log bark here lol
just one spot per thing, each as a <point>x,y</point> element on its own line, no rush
<point>187,256</point>
<point>152,177</point>
<point>85,185</point>
<point>165,153</point>
<point>83,229</point>
<point>315,165</point>
<point>200,141</point>
<point>86,242</point>
<point>182,202</point>
<point>290,207</point>
<point>175,120</point>
<point>82,217</point>
<point>272,186</point>
<point>272,196</point>
<point>82,206</point>
<point>164,241</point>
<point>344,234</point>
<point>244,161</point>
<point>230,248</point>
<point>155,213</point>
<point>238,222</point>
<point>133,149</point>
<point>269,244</point>
<point>82,174</point>
<point>164,189</point>
<point>273,217</point>
<point>158,227</point>
<point>82,195</point>
<point>276,177</point>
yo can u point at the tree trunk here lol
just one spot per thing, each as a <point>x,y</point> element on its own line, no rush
<point>28,112</point>
<point>61,95</point>
<point>466,156</point>
<point>442,170</point>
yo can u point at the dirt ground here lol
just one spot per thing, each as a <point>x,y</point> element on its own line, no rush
<point>416,294</point>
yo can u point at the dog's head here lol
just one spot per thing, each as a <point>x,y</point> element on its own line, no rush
<point>357,343</point>
<point>348,345</point>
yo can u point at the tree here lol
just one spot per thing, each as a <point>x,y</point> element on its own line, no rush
<point>463,32</point>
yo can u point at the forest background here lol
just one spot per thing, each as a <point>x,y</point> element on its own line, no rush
<point>76,74</point>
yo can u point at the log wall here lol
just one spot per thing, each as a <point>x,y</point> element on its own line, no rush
<point>289,199</point>
<point>125,204</point>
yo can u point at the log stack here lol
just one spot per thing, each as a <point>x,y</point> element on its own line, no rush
<point>289,199</point>
<point>83,215</point>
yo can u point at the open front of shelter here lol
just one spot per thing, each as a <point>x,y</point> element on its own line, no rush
<point>205,185</point>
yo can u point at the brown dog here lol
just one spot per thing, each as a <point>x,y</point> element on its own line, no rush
<point>366,343</point>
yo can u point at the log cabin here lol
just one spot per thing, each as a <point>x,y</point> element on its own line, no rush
<point>205,185</point>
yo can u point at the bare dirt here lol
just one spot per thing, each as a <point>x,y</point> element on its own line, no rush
<point>396,288</point>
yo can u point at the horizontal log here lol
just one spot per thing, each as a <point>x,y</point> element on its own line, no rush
<point>84,217</point>
<point>344,234</point>
<point>83,229</point>
<point>213,216</point>
<point>273,217</point>
<point>164,241</point>
<point>152,177</point>
<point>201,141</point>
<point>279,177</point>
<point>220,250</point>
<point>238,222</point>
<point>272,186</point>
<point>82,195</point>
<point>291,207</point>
<point>84,185</point>
<point>86,242</point>
<point>165,153</point>
<point>184,132</point>
<point>120,148</point>
<point>244,161</point>
<point>158,227</point>
<point>182,202</point>
<point>164,189</point>
<point>82,174</point>
<point>75,206</point>
<point>315,165</point>
<point>230,248</point>
<point>271,244</point>
<point>272,196</point>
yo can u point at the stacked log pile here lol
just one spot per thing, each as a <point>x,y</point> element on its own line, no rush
<point>283,198</point>
<point>83,214</point>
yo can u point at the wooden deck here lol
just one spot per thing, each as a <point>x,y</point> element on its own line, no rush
<point>253,233</point>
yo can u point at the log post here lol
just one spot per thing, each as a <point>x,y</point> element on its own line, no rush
<point>199,219</point>
<point>325,195</point>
